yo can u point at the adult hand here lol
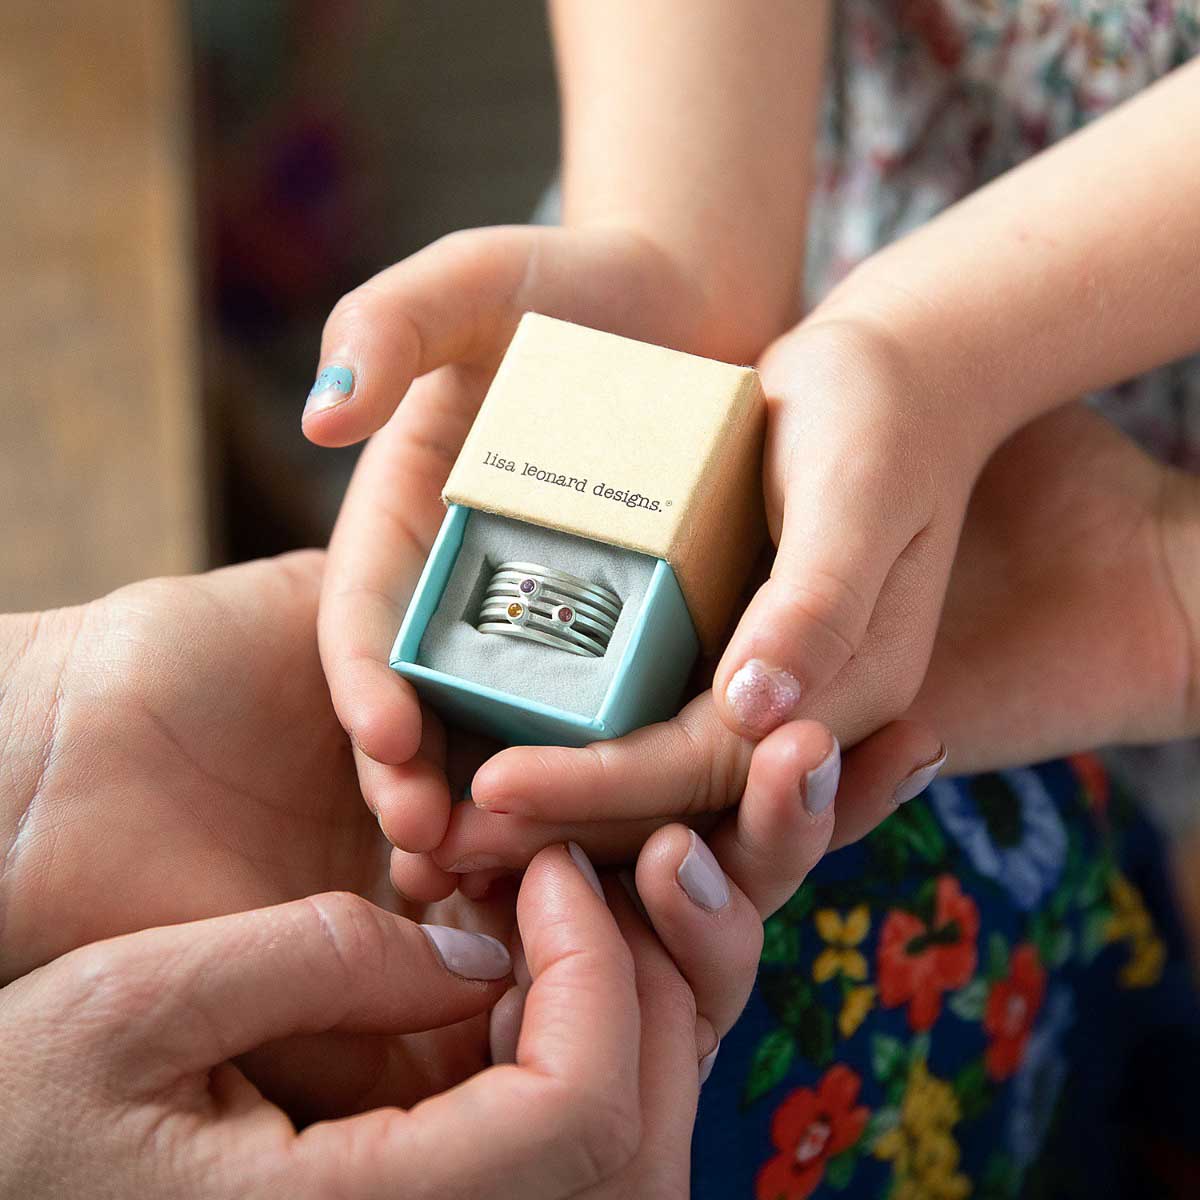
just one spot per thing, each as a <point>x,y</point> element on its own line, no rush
<point>120,1080</point>
<point>170,754</point>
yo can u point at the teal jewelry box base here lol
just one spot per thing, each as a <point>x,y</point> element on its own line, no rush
<point>644,684</point>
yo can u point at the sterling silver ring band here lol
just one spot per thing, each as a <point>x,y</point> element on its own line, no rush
<point>553,608</point>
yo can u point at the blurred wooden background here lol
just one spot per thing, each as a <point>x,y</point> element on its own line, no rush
<point>101,461</point>
<point>145,430</point>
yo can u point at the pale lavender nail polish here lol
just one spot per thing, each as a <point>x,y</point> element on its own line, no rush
<point>707,1063</point>
<point>504,1026</point>
<point>762,697</point>
<point>701,876</point>
<point>913,785</point>
<point>471,955</point>
<point>585,867</point>
<point>521,966</point>
<point>821,783</point>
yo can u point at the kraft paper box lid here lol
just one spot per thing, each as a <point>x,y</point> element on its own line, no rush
<point>625,443</point>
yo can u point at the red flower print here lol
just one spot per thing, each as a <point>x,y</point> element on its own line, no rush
<point>918,962</point>
<point>1012,1005</point>
<point>1093,781</point>
<point>808,1129</point>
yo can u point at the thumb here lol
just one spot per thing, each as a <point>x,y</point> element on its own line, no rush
<point>173,1001</point>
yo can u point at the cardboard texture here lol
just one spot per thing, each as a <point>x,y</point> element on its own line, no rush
<point>629,444</point>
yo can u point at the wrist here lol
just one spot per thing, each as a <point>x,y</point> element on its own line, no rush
<point>712,303</point>
<point>957,369</point>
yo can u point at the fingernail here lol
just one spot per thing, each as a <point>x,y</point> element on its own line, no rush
<point>629,883</point>
<point>701,876</point>
<point>521,966</point>
<point>475,862</point>
<point>913,785</point>
<point>585,867</point>
<point>334,386</point>
<point>762,697</point>
<point>821,783</point>
<point>471,955</point>
<point>504,1026</point>
<point>707,1063</point>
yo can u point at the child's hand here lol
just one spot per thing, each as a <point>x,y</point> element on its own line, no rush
<point>411,354</point>
<point>1072,620</point>
<point>866,481</point>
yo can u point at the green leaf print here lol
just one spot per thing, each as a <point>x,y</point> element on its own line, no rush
<point>840,1170</point>
<point>772,1058</point>
<point>1093,935</point>
<point>815,1035</point>
<point>781,942</point>
<point>883,1119</point>
<point>969,1002</point>
<point>799,906</point>
<point>972,1089</point>
<point>889,1059</point>
<point>997,957</point>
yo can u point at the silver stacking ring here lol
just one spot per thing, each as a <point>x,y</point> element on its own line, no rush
<point>554,608</point>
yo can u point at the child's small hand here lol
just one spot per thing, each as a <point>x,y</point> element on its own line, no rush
<point>1072,620</point>
<point>410,354</point>
<point>867,477</point>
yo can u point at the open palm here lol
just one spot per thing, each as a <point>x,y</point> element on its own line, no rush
<point>196,767</point>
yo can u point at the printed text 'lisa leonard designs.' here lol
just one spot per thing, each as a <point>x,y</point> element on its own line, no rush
<point>618,495</point>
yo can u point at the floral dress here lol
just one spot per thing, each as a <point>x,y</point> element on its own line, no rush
<point>989,996</point>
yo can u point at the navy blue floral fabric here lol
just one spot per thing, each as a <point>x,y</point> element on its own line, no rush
<point>989,996</point>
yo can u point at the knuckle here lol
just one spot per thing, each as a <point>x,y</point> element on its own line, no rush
<point>108,985</point>
<point>665,989</point>
<point>352,310</point>
<point>828,603</point>
<point>713,765</point>
<point>349,930</point>
<point>606,1132</point>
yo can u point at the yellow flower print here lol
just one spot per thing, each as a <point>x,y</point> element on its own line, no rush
<point>921,1148</point>
<point>1145,965</point>
<point>1129,919</point>
<point>1130,922</point>
<point>843,934</point>
<point>857,1003</point>
<point>929,1103</point>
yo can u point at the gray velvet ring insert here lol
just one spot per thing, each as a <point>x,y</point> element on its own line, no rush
<point>553,608</point>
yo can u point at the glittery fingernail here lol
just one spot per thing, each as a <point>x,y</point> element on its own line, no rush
<point>762,697</point>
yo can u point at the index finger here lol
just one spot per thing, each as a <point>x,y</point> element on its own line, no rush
<point>564,1118</point>
<point>389,518</point>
